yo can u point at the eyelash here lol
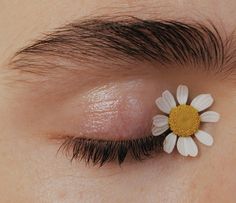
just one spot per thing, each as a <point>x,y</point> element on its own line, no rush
<point>99,152</point>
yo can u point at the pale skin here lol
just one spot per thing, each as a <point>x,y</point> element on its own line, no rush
<point>30,168</point>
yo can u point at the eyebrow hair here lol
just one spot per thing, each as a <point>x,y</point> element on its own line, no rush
<point>128,39</point>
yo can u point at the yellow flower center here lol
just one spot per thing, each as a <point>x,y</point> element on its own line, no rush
<point>184,120</point>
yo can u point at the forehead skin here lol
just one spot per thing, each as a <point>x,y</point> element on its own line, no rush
<point>212,181</point>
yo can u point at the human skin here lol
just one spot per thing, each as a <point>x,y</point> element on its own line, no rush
<point>30,168</point>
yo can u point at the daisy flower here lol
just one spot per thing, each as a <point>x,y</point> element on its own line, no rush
<point>183,121</point>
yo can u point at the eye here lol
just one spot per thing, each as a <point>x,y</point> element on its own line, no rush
<point>115,124</point>
<point>182,125</point>
<point>104,151</point>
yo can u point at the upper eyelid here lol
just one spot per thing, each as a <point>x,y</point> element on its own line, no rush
<point>102,39</point>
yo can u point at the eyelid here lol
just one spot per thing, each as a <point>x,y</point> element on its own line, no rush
<point>121,110</point>
<point>99,152</point>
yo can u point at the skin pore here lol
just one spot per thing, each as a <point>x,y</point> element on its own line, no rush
<point>90,104</point>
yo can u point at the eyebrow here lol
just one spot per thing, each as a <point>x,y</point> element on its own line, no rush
<point>126,40</point>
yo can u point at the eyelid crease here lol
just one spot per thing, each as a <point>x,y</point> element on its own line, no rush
<point>99,152</point>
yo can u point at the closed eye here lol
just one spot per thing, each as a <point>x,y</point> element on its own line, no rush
<point>105,151</point>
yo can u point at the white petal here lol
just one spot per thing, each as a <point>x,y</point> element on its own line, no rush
<point>182,94</point>
<point>168,97</point>
<point>160,120</point>
<point>181,146</point>
<point>159,130</point>
<point>210,116</point>
<point>204,138</point>
<point>202,102</point>
<point>186,146</point>
<point>192,147</point>
<point>169,143</point>
<point>163,105</point>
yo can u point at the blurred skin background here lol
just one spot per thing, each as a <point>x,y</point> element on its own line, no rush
<point>30,168</point>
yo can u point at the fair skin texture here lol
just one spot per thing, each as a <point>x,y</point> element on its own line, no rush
<point>30,168</point>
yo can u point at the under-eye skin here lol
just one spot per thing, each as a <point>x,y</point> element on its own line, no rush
<point>104,151</point>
